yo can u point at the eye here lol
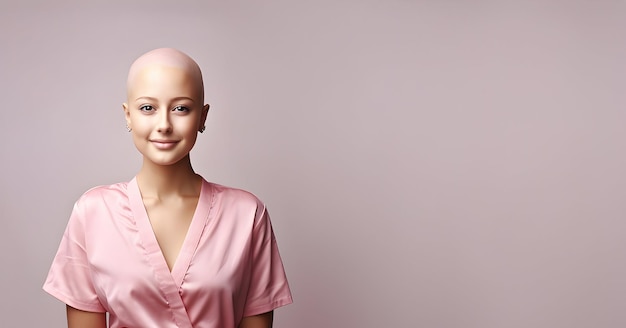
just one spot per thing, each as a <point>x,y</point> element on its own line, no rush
<point>180,109</point>
<point>146,108</point>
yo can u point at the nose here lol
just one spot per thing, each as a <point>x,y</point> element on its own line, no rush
<point>164,124</point>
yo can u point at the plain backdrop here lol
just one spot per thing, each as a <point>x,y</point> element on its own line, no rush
<point>426,163</point>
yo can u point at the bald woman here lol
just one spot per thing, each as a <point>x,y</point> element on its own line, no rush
<point>168,248</point>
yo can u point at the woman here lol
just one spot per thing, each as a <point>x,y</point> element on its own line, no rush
<point>168,249</point>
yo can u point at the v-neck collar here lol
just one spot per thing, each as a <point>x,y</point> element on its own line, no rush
<point>192,238</point>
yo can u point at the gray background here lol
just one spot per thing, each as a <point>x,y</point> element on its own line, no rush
<point>426,163</point>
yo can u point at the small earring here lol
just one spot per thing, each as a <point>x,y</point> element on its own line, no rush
<point>202,129</point>
<point>128,128</point>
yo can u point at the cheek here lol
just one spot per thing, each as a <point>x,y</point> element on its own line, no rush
<point>136,120</point>
<point>187,124</point>
<point>140,127</point>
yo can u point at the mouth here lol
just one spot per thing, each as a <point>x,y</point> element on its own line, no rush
<point>164,144</point>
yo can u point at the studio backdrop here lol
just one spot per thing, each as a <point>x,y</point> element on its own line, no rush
<point>426,163</point>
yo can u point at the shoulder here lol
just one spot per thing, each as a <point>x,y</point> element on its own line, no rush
<point>241,206</point>
<point>238,203</point>
<point>97,204</point>
<point>231,195</point>
<point>103,194</point>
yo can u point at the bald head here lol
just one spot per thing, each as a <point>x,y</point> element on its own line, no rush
<point>166,57</point>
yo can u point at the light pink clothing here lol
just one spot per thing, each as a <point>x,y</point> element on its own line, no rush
<point>228,268</point>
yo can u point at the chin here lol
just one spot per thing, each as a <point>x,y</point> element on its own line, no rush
<point>164,160</point>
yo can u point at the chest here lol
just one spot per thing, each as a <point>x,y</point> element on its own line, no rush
<point>130,275</point>
<point>170,222</point>
<point>208,256</point>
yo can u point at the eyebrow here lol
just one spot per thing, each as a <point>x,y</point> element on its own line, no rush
<point>175,99</point>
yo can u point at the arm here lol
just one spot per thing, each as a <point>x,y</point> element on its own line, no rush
<point>82,319</point>
<point>264,320</point>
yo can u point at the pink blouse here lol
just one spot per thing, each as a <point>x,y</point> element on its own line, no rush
<point>228,268</point>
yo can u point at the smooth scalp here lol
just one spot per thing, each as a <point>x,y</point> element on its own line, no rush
<point>167,57</point>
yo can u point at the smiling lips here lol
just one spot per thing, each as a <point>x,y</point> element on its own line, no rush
<point>164,144</point>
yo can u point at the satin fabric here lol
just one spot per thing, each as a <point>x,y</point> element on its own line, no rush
<point>229,265</point>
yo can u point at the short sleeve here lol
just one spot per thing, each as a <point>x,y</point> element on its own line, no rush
<point>70,279</point>
<point>268,287</point>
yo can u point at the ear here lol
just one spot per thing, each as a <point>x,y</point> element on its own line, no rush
<point>205,112</point>
<point>126,113</point>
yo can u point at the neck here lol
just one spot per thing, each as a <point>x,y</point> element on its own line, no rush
<point>162,181</point>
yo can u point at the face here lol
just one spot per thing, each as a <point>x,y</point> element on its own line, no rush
<point>165,112</point>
